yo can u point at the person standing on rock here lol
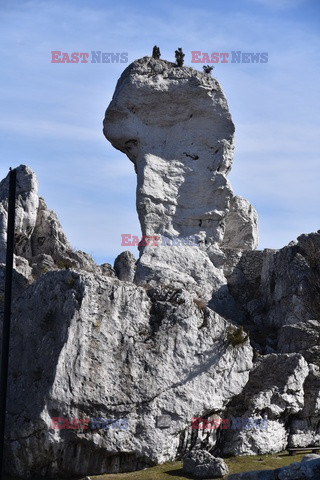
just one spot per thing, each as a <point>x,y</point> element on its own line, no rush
<point>156,52</point>
<point>179,57</point>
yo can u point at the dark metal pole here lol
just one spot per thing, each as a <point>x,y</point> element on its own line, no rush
<point>7,311</point>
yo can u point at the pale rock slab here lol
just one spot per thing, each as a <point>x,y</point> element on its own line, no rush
<point>304,428</point>
<point>188,267</point>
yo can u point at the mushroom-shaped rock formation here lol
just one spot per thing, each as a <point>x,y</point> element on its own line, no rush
<point>174,125</point>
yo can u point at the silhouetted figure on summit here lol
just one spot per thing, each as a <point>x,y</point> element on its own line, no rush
<point>156,52</point>
<point>179,57</point>
<point>207,68</point>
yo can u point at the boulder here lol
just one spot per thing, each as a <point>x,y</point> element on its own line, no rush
<point>201,464</point>
<point>125,266</point>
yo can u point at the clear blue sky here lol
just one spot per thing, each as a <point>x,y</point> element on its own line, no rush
<point>51,114</point>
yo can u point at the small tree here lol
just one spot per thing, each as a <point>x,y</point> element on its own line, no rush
<point>179,57</point>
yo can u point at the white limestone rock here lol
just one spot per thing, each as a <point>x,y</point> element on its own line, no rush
<point>275,295</point>
<point>38,232</point>
<point>145,346</point>
<point>241,225</point>
<point>125,266</point>
<point>22,266</point>
<point>27,202</point>
<point>273,394</point>
<point>48,236</point>
<point>188,267</point>
<point>105,348</point>
<point>174,125</point>
<point>201,464</point>
<point>304,428</point>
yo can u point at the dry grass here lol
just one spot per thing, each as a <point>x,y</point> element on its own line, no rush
<point>201,304</point>
<point>173,470</point>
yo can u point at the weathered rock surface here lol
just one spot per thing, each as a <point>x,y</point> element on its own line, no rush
<point>274,289</point>
<point>153,343</point>
<point>241,225</point>
<point>27,202</point>
<point>187,267</point>
<point>125,266</point>
<point>88,345</point>
<point>275,295</point>
<point>304,426</point>
<point>201,464</point>
<point>274,393</point>
<point>175,126</point>
<point>109,349</point>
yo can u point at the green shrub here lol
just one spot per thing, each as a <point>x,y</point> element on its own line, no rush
<point>236,336</point>
<point>62,264</point>
<point>44,269</point>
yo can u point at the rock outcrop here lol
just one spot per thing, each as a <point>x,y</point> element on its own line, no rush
<point>174,125</point>
<point>108,365</point>
<point>125,266</point>
<point>273,393</point>
<point>87,345</point>
<point>40,243</point>
<point>27,203</point>
<point>274,294</point>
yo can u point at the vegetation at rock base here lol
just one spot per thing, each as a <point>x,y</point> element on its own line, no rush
<point>236,336</point>
<point>173,470</point>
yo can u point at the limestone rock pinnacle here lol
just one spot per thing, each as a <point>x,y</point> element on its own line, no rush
<point>174,125</point>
